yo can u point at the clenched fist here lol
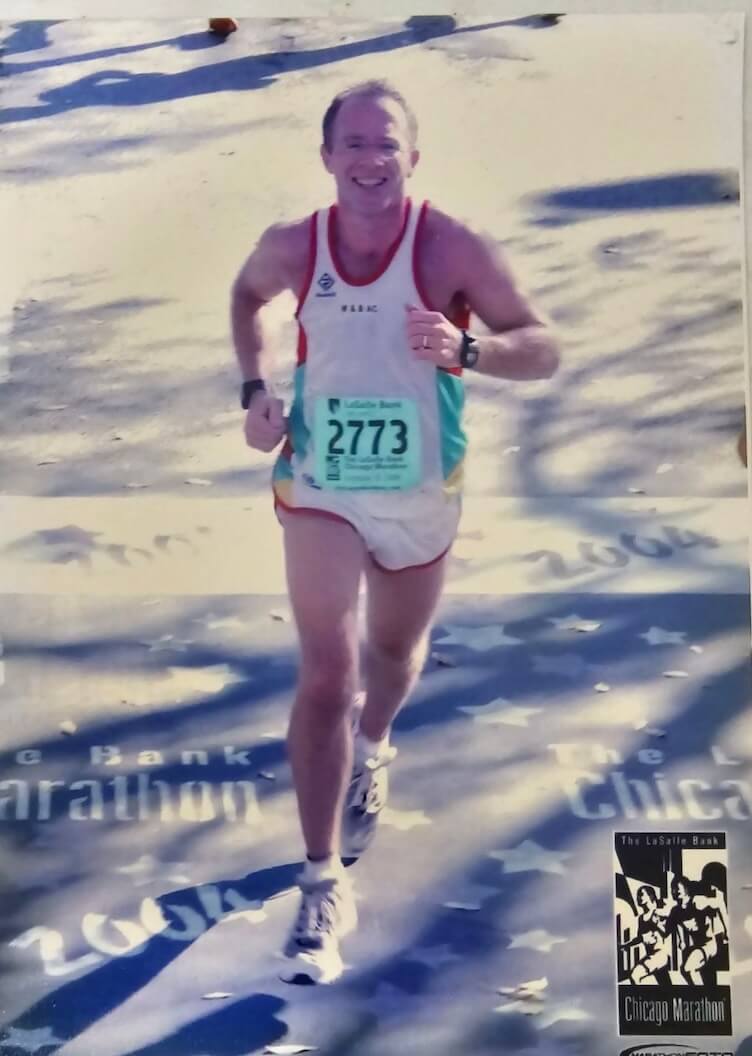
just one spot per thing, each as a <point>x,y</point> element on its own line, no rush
<point>432,337</point>
<point>265,423</point>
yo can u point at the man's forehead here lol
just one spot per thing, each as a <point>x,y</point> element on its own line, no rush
<point>364,112</point>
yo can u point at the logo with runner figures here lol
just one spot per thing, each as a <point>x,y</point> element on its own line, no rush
<point>325,283</point>
<point>672,934</point>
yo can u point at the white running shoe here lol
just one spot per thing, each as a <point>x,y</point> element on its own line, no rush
<point>327,913</point>
<point>366,798</point>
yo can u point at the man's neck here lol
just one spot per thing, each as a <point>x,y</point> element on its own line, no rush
<point>363,235</point>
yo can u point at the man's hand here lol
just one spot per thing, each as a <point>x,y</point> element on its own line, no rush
<point>265,423</point>
<point>433,338</point>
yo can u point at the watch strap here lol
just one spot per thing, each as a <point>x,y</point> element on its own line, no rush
<point>468,350</point>
<point>247,390</point>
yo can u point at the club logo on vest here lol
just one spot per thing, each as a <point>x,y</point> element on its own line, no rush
<point>325,282</point>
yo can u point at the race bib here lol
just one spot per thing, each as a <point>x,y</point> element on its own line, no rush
<point>367,444</point>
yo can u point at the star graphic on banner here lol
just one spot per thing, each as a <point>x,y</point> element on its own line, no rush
<point>660,636</point>
<point>530,856</point>
<point>532,990</point>
<point>480,639</point>
<point>540,940</point>
<point>573,622</point>
<point>167,643</point>
<point>555,1013</point>
<point>220,623</point>
<point>496,713</point>
<point>148,870</point>
<point>533,1007</point>
<point>31,1040</point>
<point>434,956</point>
<point>568,664</point>
<point>404,820</point>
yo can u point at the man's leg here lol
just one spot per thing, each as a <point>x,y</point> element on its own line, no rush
<point>324,561</point>
<point>401,606</point>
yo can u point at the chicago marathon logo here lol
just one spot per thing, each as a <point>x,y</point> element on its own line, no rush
<point>672,937</point>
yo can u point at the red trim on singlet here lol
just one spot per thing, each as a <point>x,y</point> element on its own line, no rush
<point>388,258</point>
<point>302,344</point>
<point>417,279</point>
<point>309,266</point>
<point>460,318</point>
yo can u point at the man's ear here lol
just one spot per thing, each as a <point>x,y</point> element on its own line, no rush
<point>414,159</point>
<point>325,158</point>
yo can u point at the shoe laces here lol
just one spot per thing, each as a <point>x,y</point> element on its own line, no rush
<point>366,787</point>
<point>318,911</point>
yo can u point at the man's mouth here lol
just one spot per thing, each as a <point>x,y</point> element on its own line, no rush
<point>377,181</point>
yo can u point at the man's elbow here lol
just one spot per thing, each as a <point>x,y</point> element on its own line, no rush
<point>243,299</point>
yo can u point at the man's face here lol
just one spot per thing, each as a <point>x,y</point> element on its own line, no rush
<point>371,155</point>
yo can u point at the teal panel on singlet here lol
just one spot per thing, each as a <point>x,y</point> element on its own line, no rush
<point>299,434</point>
<point>451,397</point>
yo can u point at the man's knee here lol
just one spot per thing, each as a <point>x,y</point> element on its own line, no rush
<point>390,649</point>
<point>327,683</point>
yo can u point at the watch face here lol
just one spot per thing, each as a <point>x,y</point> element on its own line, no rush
<point>469,355</point>
<point>469,351</point>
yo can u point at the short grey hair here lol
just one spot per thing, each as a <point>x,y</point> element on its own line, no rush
<point>374,89</point>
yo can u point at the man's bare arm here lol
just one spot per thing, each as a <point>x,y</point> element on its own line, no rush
<point>521,344</point>
<point>264,275</point>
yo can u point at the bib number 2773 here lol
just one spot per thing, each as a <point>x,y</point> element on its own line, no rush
<point>367,443</point>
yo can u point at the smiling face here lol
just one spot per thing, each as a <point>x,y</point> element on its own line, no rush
<point>370,154</point>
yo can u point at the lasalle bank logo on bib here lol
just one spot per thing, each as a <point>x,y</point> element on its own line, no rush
<point>325,283</point>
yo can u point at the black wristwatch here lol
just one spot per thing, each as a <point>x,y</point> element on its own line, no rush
<point>469,351</point>
<point>247,390</point>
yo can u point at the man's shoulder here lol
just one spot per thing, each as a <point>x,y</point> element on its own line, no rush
<point>448,237</point>
<point>440,226</point>
<point>289,238</point>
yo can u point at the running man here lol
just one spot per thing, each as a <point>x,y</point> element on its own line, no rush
<point>651,934</point>
<point>701,921</point>
<point>367,483</point>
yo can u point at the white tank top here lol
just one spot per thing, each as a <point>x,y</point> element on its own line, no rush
<point>353,343</point>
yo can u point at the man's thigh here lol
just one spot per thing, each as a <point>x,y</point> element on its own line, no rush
<point>324,561</point>
<point>401,605</point>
